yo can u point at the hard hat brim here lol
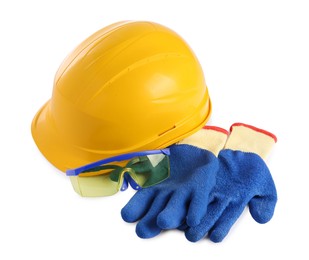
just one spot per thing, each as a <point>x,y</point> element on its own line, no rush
<point>65,155</point>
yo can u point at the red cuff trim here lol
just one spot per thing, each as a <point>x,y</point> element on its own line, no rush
<point>215,128</point>
<point>255,129</point>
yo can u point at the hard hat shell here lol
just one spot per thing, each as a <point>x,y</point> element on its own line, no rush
<point>131,86</point>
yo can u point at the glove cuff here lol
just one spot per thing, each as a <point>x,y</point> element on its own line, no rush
<point>247,138</point>
<point>210,138</point>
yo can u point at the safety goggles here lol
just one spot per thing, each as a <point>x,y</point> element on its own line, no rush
<point>106,177</point>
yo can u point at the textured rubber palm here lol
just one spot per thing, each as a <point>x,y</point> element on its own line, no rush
<point>243,179</point>
<point>182,197</point>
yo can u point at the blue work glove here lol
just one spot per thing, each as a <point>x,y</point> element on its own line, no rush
<point>184,195</point>
<point>243,179</point>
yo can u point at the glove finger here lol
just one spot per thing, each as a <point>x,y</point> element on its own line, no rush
<point>147,227</point>
<point>214,211</point>
<point>138,205</point>
<point>175,212</point>
<point>223,225</point>
<point>198,207</point>
<point>262,207</point>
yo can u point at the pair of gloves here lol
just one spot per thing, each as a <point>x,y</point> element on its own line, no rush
<point>214,176</point>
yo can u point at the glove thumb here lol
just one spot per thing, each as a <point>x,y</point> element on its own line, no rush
<point>262,207</point>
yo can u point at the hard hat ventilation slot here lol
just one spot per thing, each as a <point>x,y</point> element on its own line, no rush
<point>173,127</point>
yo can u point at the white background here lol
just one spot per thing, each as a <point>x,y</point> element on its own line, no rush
<point>255,56</point>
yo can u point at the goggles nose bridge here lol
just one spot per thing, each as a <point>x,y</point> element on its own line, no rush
<point>122,180</point>
<point>127,170</point>
<point>126,179</point>
<point>124,184</point>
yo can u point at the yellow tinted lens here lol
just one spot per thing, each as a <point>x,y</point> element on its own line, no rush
<point>94,186</point>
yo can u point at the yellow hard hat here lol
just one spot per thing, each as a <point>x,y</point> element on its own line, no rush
<point>131,86</point>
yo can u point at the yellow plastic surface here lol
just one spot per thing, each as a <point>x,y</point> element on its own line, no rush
<point>130,86</point>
